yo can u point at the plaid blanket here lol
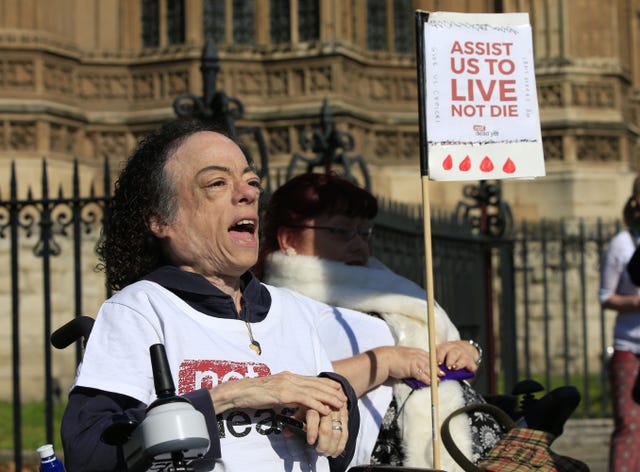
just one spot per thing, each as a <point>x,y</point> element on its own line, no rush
<point>522,449</point>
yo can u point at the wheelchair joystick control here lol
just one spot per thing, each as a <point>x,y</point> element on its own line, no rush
<point>172,433</point>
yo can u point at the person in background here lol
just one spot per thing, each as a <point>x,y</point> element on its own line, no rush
<point>182,235</point>
<point>618,292</point>
<point>317,229</point>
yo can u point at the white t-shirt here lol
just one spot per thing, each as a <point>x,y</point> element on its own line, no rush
<point>204,351</point>
<point>614,279</point>
<point>346,333</point>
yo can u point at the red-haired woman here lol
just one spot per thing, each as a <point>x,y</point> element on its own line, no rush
<point>316,233</point>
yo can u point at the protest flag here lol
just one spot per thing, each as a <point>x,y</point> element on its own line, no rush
<point>478,116</point>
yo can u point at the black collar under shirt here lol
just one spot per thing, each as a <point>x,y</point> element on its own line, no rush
<point>201,295</point>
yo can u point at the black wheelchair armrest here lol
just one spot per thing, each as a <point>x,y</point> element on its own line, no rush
<point>72,331</point>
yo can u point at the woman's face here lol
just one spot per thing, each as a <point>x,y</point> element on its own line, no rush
<point>216,226</point>
<point>338,238</point>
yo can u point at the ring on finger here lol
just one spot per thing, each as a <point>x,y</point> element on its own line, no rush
<point>336,420</point>
<point>420,371</point>
<point>336,427</point>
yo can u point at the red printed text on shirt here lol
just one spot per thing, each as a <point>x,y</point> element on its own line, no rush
<point>195,374</point>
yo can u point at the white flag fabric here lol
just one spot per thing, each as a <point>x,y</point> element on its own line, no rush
<point>482,119</point>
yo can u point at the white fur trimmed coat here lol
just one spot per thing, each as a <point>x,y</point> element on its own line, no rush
<point>402,304</point>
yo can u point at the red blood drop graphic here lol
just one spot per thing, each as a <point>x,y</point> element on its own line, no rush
<point>465,165</point>
<point>509,166</point>
<point>447,164</point>
<point>486,165</point>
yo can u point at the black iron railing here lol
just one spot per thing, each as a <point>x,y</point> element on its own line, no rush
<point>538,284</point>
<point>42,226</point>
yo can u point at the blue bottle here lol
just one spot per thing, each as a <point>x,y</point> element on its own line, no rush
<point>48,460</point>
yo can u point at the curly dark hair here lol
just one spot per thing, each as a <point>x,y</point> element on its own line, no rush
<point>307,196</point>
<point>127,249</point>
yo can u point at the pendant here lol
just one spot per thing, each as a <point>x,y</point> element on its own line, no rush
<point>255,347</point>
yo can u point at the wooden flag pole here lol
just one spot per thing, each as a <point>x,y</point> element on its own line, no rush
<point>433,364</point>
<point>463,146</point>
<point>421,17</point>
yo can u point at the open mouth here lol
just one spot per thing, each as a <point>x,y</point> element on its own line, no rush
<point>244,226</point>
<point>244,230</point>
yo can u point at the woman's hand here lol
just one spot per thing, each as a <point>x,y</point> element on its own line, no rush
<point>284,389</point>
<point>368,370</point>
<point>329,432</point>
<point>457,355</point>
<point>403,362</point>
<point>371,368</point>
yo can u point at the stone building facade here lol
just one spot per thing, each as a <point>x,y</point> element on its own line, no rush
<point>85,79</point>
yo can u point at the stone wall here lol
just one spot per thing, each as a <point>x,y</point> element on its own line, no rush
<point>32,343</point>
<point>561,327</point>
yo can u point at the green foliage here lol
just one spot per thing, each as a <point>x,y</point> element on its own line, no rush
<point>32,426</point>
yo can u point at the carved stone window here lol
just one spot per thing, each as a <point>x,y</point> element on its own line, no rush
<point>175,21</point>
<point>308,20</point>
<point>163,22</point>
<point>243,22</point>
<point>403,26</point>
<point>396,35</point>
<point>213,17</point>
<point>306,11</point>
<point>150,17</point>
<point>280,21</point>
<point>377,25</point>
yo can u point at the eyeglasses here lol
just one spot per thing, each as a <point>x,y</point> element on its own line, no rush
<point>341,233</point>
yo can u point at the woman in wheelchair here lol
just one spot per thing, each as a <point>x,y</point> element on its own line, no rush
<point>181,237</point>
